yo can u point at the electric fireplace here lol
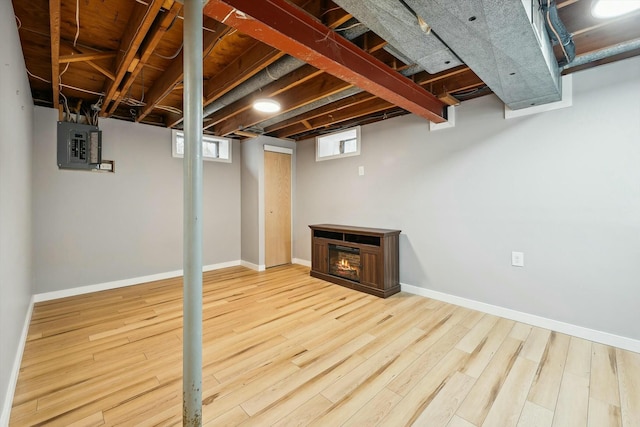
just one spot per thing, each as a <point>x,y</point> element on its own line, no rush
<point>344,261</point>
<point>360,258</point>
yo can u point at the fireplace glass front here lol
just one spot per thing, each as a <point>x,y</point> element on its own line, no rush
<point>344,262</point>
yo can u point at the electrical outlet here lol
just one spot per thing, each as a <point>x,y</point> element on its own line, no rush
<point>517,259</point>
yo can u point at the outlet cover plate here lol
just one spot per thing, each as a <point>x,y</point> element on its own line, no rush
<point>517,259</point>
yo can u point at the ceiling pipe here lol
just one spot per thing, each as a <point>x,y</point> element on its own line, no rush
<point>291,30</point>
<point>415,69</point>
<point>557,32</point>
<point>277,70</point>
<point>603,54</point>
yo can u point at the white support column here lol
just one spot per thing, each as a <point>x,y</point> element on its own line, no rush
<point>192,252</point>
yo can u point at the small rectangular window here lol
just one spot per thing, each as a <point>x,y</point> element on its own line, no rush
<point>338,144</point>
<point>214,148</point>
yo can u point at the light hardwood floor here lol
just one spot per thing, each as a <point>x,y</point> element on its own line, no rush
<point>283,349</point>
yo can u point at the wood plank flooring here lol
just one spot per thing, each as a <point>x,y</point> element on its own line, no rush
<point>283,349</point>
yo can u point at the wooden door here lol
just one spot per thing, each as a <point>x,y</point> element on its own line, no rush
<point>277,206</point>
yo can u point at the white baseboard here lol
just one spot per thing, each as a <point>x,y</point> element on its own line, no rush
<point>13,379</point>
<point>301,262</point>
<point>47,296</point>
<point>531,319</point>
<point>252,266</point>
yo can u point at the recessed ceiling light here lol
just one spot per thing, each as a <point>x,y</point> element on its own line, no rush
<point>266,105</point>
<point>612,8</point>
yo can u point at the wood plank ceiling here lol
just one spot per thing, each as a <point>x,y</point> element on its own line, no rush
<point>124,59</point>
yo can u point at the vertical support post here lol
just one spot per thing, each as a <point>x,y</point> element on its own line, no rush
<point>192,252</point>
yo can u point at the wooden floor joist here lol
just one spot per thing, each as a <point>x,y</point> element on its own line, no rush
<point>282,348</point>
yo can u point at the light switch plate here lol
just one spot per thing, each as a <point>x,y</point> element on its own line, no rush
<point>360,170</point>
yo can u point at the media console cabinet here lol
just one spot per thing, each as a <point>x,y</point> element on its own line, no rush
<point>364,259</point>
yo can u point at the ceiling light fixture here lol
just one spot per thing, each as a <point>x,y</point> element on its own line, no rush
<point>266,105</point>
<point>611,8</point>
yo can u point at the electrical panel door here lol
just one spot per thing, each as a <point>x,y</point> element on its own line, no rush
<point>79,146</point>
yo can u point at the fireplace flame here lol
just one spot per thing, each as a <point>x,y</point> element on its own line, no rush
<point>344,263</point>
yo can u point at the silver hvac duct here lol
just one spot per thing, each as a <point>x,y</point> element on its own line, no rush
<point>270,74</point>
<point>322,102</point>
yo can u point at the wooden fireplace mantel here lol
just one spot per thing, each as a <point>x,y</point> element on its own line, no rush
<point>379,257</point>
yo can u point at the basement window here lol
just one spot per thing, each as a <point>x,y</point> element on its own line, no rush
<point>338,144</point>
<point>214,148</point>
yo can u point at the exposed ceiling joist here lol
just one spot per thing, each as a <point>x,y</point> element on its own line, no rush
<point>293,79</point>
<point>54,29</point>
<point>174,73</point>
<point>257,59</point>
<point>138,27</point>
<point>81,54</point>
<point>314,89</point>
<point>288,28</point>
<point>368,106</point>
<point>326,109</point>
<point>240,70</point>
<point>82,57</point>
<point>148,46</point>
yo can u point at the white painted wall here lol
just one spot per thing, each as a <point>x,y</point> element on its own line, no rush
<point>16,116</point>
<point>563,187</point>
<point>92,227</point>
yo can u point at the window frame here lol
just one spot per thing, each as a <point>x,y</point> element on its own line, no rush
<point>341,155</point>
<point>205,138</point>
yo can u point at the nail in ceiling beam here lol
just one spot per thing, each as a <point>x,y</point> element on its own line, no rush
<point>150,42</point>
<point>54,24</point>
<point>290,29</point>
<point>174,72</point>
<point>135,33</point>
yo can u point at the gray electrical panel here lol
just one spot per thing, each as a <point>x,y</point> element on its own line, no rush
<point>79,146</point>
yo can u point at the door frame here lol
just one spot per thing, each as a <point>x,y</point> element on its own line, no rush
<point>263,243</point>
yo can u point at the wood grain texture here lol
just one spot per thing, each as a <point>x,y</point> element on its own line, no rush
<point>277,208</point>
<point>282,348</point>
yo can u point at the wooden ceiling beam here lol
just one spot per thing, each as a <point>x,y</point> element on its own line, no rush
<point>54,30</point>
<point>88,57</point>
<point>334,16</point>
<point>358,110</point>
<point>108,74</point>
<point>608,36</point>
<point>290,29</point>
<point>463,81</point>
<point>441,85</point>
<point>326,109</point>
<point>174,73</point>
<point>83,57</point>
<point>141,20</point>
<point>256,58</point>
<point>373,42</point>
<point>320,87</point>
<point>154,36</point>
<point>290,81</point>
